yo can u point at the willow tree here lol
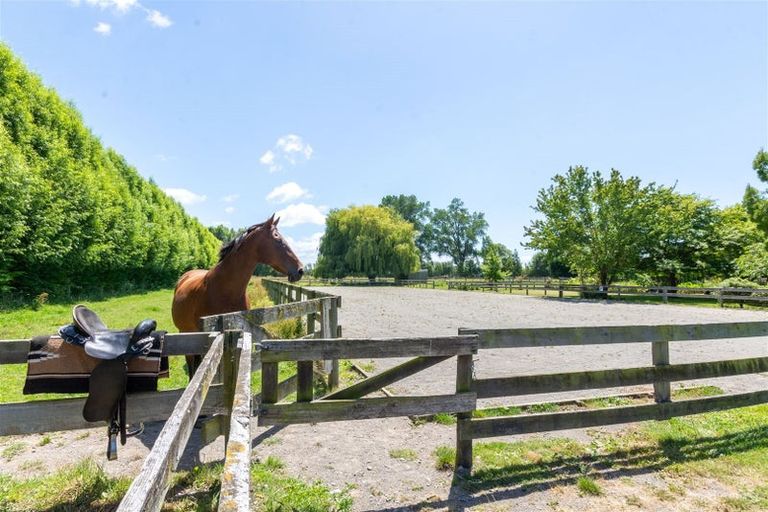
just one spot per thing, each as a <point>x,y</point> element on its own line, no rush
<point>367,240</point>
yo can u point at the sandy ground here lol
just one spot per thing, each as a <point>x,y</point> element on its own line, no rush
<point>357,453</point>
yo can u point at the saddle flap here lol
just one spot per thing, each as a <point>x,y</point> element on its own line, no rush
<point>87,320</point>
<point>106,387</point>
<point>108,344</point>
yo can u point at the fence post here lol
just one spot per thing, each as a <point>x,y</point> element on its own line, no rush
<point>720,297</point>
<point>333,321</point>
<point>665,294</point>
<point>464,368</point>
<point>229,377</point>
<point>662,391</point>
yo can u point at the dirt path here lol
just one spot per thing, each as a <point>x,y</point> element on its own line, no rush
<point>358,453</point>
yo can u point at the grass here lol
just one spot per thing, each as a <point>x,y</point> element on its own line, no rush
<point>445,457</point>
<point>587,486</point>
<point>85,486</point>
<point>273,491</point>
<point>12,450</point>
<point>730,447</point>
<point>403,454</point>
<point>25,321</point>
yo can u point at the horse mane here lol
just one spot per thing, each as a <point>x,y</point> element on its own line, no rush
<point>235,243</point>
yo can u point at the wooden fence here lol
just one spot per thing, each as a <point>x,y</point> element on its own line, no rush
<point>228,348</point>
<point>238,346</point>
<point>660,374</point>
<point>665,293</point>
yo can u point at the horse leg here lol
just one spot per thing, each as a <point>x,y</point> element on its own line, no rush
<point>193,362</point>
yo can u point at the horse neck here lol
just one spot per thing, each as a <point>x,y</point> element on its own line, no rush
<point>231,275</point>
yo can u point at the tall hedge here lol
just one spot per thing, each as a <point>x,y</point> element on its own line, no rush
<point>74,216</point>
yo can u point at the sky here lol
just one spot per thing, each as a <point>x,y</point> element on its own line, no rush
<point>240,109</point>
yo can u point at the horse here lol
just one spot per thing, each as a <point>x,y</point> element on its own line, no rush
<point>222,289</point>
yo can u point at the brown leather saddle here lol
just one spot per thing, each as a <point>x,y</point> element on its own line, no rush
<point>107,383</point>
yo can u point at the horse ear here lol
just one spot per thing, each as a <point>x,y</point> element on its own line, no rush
<point>276,221</point>
<point>270,220</point>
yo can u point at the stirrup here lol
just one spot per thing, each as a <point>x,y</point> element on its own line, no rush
<point>113,430</point>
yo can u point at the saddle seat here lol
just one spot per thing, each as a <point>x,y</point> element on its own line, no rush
<point>108,381</point>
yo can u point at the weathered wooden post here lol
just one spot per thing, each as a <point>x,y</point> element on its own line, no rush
<point>236,476</point>
<point>720,297</point>
<point>333,321</point>
<point>464,369</point>
<point>662,391</point>
<point>665,294</point>
<point>229,376</point>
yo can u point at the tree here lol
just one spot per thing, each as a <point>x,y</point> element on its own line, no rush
<point>543,264</point>
<point>367,240</point>
<point>597,226</point>
<point>224,233</point>
<point>74,215</point>
<point>415,212</point>
<point>492,265</point>
<point>755,202</point>
<point>456,232</point>
<point>682,245</point>
<point>510,260</point>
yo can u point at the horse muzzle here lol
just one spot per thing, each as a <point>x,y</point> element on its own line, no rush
<point>295,276</point>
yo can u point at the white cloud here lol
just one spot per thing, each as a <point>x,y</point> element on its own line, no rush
<point>120,5</point>
<point>158,19</point>
<point>268,159</point>
<point>306,248</point>
<point>229,209</point>
<point>231,198</point>
<point>301,213</point>
<point>288,150</point>
<point>287,192</point>
<point>184,196</point>
<point>154,17</point>
<point>103,28</point>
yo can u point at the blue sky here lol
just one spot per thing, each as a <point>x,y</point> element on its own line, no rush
<point>321,105</point>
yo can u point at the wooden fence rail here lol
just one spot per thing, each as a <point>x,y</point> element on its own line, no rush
<point>661,374</point>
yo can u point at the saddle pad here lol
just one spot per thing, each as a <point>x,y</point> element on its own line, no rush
<point>54,366</point>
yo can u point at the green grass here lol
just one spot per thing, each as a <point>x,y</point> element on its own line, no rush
<point>588,486</point>
<point>609,401</point>
<point>696,392</point>
<point>489,412</point>
<point>445,457</point>
<point>729,446</point>
<point>85,486</point>
<point>12,450</point>
<point>273,491</point>
<point>125,311</point>
<point>403,454</point>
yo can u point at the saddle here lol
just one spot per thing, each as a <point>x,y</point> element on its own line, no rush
<point>107,383</point>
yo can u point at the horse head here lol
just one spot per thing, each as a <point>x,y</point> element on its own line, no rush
<point>276,253</point>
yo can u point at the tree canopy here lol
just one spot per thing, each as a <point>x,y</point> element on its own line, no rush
<point>417,213</point>
<point>456,232</point>
<point>599,226</point>
<point>367,240</point>
<point>74,215</point>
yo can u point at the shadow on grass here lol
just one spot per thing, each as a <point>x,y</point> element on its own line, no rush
<point>491,485</point>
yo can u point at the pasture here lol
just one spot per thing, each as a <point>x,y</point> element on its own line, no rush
<point>400,463</point>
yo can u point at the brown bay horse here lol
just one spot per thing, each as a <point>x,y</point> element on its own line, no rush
<point>222,289</point>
